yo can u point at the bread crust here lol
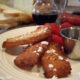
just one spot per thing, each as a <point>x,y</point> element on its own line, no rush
<point>18,14</point>
<point>54,63</point>
<point>8,20</point>
<point>31,55</point>
<point>28,38</point>
<point>14,24</point>
<point>12,15</point>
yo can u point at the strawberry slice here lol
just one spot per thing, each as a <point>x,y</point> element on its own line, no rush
<point>68,19</point>
<point>77,20</point>
<point>57,39</point>
<point>65,25</point>
<point>74,20</point>
<point>55,28</point>
<point>66,14</point>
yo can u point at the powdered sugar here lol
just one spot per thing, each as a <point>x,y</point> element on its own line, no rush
<point>37,54</point>
<point>21,37</point>
<point>48,51</point>
<point>50,66</point>
<point>56,54</point>
<point>34,51</point>
<point>51,51</point>
<point>40,49</point>
<point>54,69</point>
<point>45,29</point>
<point>45,42</point>
<point>17,39</point>
<point>29,32</point>
<point>30,44</point>
<point>60,57</point>
<point>67,60</point>
<point>54,78</point>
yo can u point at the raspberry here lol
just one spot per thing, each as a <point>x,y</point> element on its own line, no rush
<point>71,20</point>
<point>65,25</point>
<point>55,28</point>
<point>66,14</point>
<point>64,19</point>
<point>76,20</point>
<point>57,39</point>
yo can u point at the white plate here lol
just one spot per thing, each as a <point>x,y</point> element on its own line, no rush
<point>3,30</point>
<point>9,71</point>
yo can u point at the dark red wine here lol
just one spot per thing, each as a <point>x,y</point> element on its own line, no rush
<point>41,19</point>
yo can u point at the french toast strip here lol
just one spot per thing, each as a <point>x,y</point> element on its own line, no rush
<point>28,38</point>
<point>31,55</point>
<point>54,63</point>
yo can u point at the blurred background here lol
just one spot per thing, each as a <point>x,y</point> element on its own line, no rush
<point>27,4</point>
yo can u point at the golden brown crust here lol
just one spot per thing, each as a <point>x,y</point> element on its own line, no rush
<point>7,21</point>
<point>32,37</point>
<point>14,24</point>
<point>12,14</point>
<point>24,17</point>
<point>19,15</point>
<point>54,63</point>
<point>31,55</point>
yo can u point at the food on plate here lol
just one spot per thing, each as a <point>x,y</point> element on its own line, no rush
<point>31,55</point>
<point>7,21</point>
<point>55,28</point>
<point>12,12</point>
<point>29,38</point>
<point>65,25</point>
<point>14,24</point>
<point>44,50</point>
<point>57,39</point>
<point>19,16</point>
<point>74,20</point>
<point>54,63</point>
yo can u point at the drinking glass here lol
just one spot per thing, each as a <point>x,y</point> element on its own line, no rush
<point>61,5</point>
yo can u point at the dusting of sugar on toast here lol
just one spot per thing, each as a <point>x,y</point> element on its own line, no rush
<point>45,42</point>
<point>40,49</point>
<point>60,57</point>
<point>51,51</point>
<point>50,66</point>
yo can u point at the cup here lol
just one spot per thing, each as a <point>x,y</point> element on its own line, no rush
<point>71,42</point>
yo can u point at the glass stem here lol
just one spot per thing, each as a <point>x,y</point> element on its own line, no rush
<point>59,19</point>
